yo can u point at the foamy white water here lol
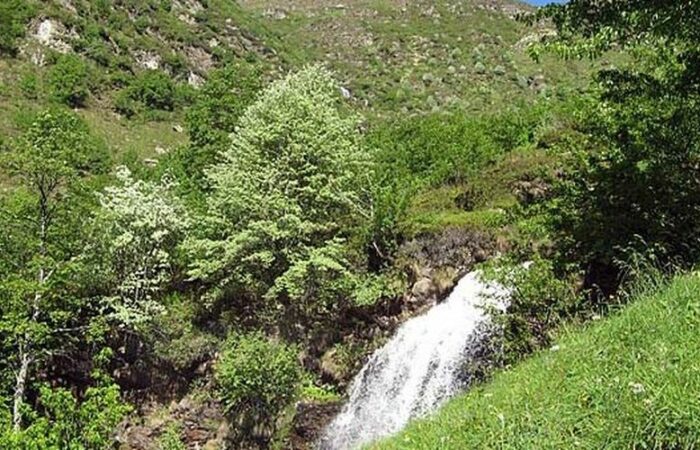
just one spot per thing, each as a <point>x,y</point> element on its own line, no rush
<point>417,370</point>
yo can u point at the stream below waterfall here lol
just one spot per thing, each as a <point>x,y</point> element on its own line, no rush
<point>422,366</point>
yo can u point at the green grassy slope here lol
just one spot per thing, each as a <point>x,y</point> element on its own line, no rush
<point>119,40</point>
<point>396,58</point>
<point>399,57</point>
<point>629,381</point>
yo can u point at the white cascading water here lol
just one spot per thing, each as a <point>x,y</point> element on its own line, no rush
<point>417,370</point>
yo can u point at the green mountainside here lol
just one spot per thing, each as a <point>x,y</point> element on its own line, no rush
<point>392,58</point>
<point>213,211</point>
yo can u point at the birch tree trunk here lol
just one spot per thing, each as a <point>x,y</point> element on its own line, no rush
<point>25,345</point>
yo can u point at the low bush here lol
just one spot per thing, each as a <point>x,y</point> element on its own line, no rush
<point>538,303</point>
<point>69,80</point>
<point>258,378</point>
<point>439,148</point>
<point>152,90</point>
<point>66,422</point>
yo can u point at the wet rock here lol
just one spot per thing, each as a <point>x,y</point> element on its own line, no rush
<point>454,247</point>
<point>309,422</point>
<point>423,288</point>
<point>331,368</point>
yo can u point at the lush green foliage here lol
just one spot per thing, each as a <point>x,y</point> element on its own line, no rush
<point>171,440</point>
<point>587,28</point>
<point>13,17</point>
<point>538,303</point>
<point>150,90</point>
<point>69,80</point>
<point>258,378</point>
<point>448,148</point>
<point>633,189</point>
<point>210,120</point>
<point>285,197</point>
<point>67,423</point>
<point>284,213</point>
<point>619,383</point>
<point>220,103</point>
<point>43,277</point>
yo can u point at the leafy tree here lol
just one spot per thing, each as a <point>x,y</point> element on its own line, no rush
<point>587,28</point>
<point>66,422</point>
<point>43,302</point>
<point>635,189</point>
<point>69,79</point>
<point>220,103</point>
<point>285,198</point>
<point>257,378</point>
<point>141,223</point>
<point>210,121</point>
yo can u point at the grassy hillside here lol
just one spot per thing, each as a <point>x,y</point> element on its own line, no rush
<point>629,381</point>
<point>399,57</point>
<point>117,44</point>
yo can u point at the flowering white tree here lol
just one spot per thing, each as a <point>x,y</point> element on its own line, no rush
<point>143,223</point>
<point>286,196</point>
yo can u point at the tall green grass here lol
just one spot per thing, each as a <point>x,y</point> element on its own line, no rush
<point>630,381</point>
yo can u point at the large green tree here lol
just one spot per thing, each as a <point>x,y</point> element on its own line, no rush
<point>42,215</point>
<point>285,198</point>
<point>589,27</point>
<point>636,189</point>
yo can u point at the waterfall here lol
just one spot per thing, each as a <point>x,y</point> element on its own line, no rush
<point>423,365</point>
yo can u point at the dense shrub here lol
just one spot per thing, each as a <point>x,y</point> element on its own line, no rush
<point>177,339</point>
<point>150,90</point>
<point>68,423</point>
<point>258,378</point>
<point>446,148</point>
<point>433,149</point>
<point>69,80</point>
<point>13,17</point>
<point>635,188</point>
<point>29,85</point>
<point>59,130</point>
<point>155,90</point>
<point>124,104</point>
<point>215,113</point>
<point>421,153</point>
<point>538,302</point>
